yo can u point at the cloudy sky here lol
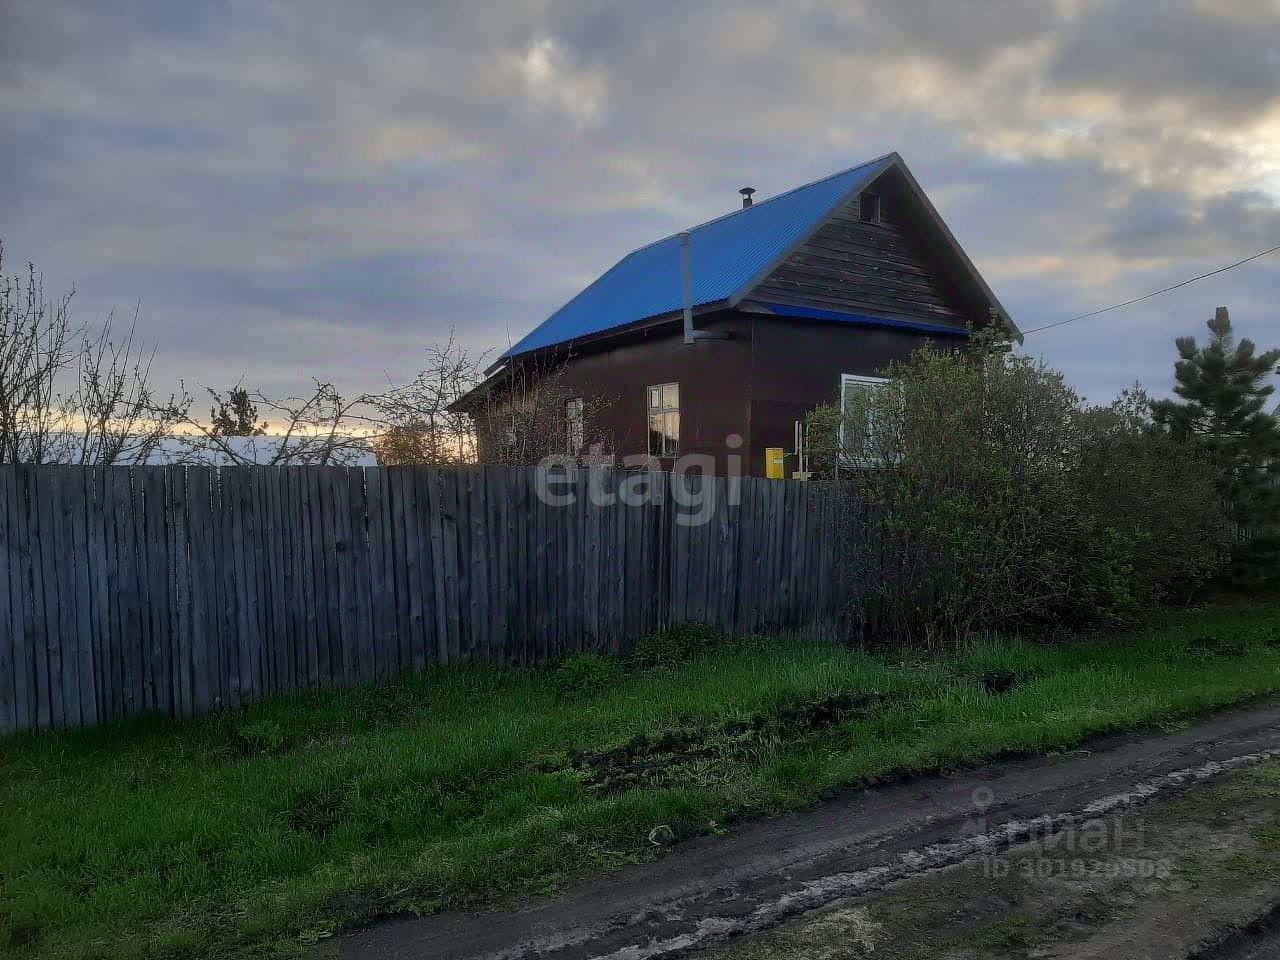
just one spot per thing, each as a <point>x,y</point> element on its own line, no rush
<point>320,188</point>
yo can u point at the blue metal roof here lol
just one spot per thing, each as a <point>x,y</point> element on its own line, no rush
<point>725,255</point>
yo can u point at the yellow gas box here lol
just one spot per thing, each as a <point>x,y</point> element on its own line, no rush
<point>775,463</point>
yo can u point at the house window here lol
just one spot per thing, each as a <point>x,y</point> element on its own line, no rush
<point>574,426</point>
<point>869,208</point>
<point>663,403</point>
<point>859,431</point>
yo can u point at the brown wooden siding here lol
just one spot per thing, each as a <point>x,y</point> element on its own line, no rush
<point>883,269</point>
<point>798,364</point>
<point>714,378</point>
<point>770,373</point>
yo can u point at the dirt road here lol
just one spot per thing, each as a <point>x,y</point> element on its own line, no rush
<point>1188,876</point>
<point>1163,845</point>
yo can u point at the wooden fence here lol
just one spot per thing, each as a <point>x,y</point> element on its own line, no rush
<point>181,589</point>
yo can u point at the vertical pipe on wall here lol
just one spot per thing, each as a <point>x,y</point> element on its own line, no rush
<point>686,279</point>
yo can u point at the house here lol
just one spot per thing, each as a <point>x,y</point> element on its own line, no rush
<point>718,340</point>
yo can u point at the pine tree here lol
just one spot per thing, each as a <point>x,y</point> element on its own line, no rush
<point>1223,389</point>
<point>235,415</point>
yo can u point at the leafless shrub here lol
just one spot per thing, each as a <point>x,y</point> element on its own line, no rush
<point>74,394</point>
<point>420,422</point>
<point>532,411</point>
<point>321,427</point>
<point>450,413</point>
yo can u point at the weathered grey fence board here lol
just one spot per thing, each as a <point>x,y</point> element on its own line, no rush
<point>298,525</point>
<point>185,589</point>
<point>8,550</point>
<point>55,553</point>
<point>10,603</point>
<point>315,633</point>
<point>233,573</point>
<point>32,602</point>
<point>109,590</point>
<point>11,549</point>
<point>284,639</point>
<point>414,535</point>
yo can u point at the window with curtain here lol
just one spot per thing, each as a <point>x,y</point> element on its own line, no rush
<point>664,419</point>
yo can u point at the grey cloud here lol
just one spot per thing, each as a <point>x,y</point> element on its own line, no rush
<point>1164,223</point>
<point>1148,218</point>
<point>965,32</point>
<point>324,189</point>
<point>1177,50</point>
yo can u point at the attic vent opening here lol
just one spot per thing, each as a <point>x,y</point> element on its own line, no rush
<point>869,208</point>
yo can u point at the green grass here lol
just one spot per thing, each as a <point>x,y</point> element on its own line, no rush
<point>1257,788</point>
<point>260,832</point>
<point>1007,934</point>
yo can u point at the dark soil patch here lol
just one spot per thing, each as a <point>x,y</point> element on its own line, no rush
<point>258,739</point>
<point>392,704</point>
<point>998,681</point>
<point>674,756</point>
<point>316,813</point>
<point>20,935</point>
<point>1256,939</point>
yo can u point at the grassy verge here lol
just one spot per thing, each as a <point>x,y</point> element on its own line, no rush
<point>258,833</point>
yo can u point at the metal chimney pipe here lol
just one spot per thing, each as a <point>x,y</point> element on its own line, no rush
<point>746,196</point>
<point>686,281</point>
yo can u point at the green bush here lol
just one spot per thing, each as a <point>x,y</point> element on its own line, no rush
<point>1157,528</point>
<point>985,495</point>
<point>1255,564</point>
<point>586,673</point>
<point>675,646</point>
<point>259,737</point>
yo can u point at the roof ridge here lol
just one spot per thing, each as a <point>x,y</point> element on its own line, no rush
<point>619,282</point>
<point>765,202</point>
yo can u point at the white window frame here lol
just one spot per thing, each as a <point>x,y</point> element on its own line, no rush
<point>664,411</point>
<point>846,379</point>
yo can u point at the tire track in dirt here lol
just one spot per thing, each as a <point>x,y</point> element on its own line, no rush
<point>711,890</point>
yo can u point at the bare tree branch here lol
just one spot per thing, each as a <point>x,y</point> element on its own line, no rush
<point>73,394</point>
<point>318,428</point>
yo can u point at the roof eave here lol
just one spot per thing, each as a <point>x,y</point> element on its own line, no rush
<point>467,402</point>
<point>917,325</point>
<point>601,336</point>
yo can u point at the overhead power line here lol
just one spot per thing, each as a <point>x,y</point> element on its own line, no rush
<point>1156,293</point>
